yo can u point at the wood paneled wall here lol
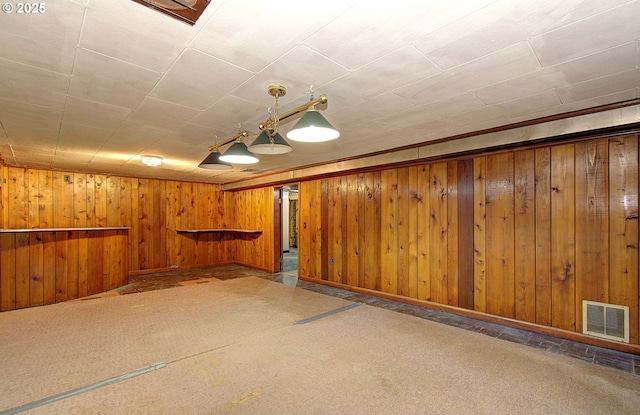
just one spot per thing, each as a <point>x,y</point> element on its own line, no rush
<point>525,234</point>
<point>253,209</point>
<point>152,209</point>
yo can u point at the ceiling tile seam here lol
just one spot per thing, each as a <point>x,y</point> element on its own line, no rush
<point>66,98</point>
<point>575,22</point>
<point>35,67</point>
<point>120,60</point>
<point>454,21</point>
<point>13,153</point>
<point>576,84</point>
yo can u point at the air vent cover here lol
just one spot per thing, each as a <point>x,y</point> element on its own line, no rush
<point>608,321</point>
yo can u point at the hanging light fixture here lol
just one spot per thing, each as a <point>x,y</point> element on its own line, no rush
<point>313,127</point>
<point>266,144</point>
<point>270,141</point>
<point>213,162</point>
<point>238,152</point>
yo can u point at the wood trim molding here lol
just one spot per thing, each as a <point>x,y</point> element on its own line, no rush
<point>611,118</point>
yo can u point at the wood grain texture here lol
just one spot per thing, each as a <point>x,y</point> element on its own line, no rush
<point>525,236</point>
<point>500,252</point>
<point>479,235</point>
<point>624,281</point>
<point>543,297</point>
<point>563,216</point>
<point>592,223</point>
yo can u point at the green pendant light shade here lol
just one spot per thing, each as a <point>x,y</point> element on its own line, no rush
<point>264,145</point>
<point>313,128</point>
<point>213,162</point>
<point>238,154</point>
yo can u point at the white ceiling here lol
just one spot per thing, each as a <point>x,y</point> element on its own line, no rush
<point>90,85</point>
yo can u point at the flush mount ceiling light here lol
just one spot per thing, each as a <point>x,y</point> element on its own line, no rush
<point>312,127</point>
<point>152,161</point>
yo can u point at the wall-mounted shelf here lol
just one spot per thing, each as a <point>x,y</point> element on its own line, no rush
<point>106,228</point>
<point>218,230</point>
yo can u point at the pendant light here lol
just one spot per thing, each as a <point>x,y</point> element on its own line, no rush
<point>213,162</point>
<point>313,128</point>
<point>269,145</point>
<point>238,154</point>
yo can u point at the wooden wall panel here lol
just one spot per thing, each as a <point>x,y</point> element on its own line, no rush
<point>465,233</point>
<point>424,245</point>
<point>500,255</point>
<point>372,220</point>
<point>413,200</point>
<point>353,237</point>
<point>44,267</point>
<point>7,271</point>
<point>403,233</point>
<point>389,232</point>
<point>542,171</point>
<point>624,281</point>
<point>452,234</point>
<point>479,235</point>
<point>438,230</point>
<point>335,232</point>
<point>524,236</point>
<point>563,266</point>
<point>592,223</point>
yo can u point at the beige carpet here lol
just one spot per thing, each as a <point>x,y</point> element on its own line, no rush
<point>235,347</point>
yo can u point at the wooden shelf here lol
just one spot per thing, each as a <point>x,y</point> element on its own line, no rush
<point>218,230</point>
<point>106,228</point>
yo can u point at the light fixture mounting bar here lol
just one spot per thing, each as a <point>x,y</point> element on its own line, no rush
<point>322,99</point>
<point>241,134</point>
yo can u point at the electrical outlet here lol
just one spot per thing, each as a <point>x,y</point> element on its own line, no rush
<point>67,178</point>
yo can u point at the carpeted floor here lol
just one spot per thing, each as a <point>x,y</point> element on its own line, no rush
<point>254,346</point>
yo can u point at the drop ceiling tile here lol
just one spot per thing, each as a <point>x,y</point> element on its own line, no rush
<point>502,24</point>
<point>370,30</point>
<point>189,82</point>
<point>298,70</point>
<point>248,34</point>
<point>134,137</point>
<point>150,40</point>
<point>603,31</point>
<point>600,87</point>
<point>82,138</point>
<point>29,123</point>
<point>47,40</point>
<point>562,75</point>
<point>103,79</point>
<point>399,68</point>
<point>225,115</point>
<point>504,64</point>
<point>95,114</point>
<point>71,159</point>
<point>32,85</point>
<point>192,134</point>
<point>162,114</point>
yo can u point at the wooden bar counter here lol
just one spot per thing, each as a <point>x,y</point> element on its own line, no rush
<point>49,265</point>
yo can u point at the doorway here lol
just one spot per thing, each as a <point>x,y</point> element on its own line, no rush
<point>289,221</point>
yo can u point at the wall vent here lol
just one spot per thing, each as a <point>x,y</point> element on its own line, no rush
<point>608,321</point>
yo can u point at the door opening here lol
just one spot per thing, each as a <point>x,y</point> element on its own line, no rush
<point>290,230</point>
